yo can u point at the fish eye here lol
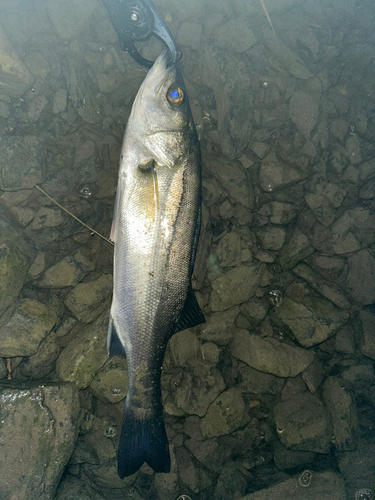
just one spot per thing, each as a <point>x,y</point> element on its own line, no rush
<point>175,96</point>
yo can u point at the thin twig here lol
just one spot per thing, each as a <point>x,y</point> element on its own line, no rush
<point>74,217</point>
<point>267,15</point>
<point>9,369</point>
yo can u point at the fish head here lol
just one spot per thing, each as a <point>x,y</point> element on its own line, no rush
<point>161,119</point>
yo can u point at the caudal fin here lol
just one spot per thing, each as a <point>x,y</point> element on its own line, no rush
<point>142,441</point>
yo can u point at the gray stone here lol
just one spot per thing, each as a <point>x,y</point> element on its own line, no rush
<point>37,64</point>
<point>29,324</point>
<point>69,16</point>
<point>344,340</point>
<point>83,357</point>
<point>47,217</point>
<point>231,483</point>
<point>22,216</point>
<point>223,71</point>
<point>324,485</point>
<point>313,375</point>
<point>255,309</point>
<point>71,488</point>
<point>353,231</point>
<point>110,384</point>
<point>36,107</point>
<point>183,345</point>
<point>219,326</point>
<point>367,333</point>
<point>39,429</point>
<point>228,250</point>
<point>187,472</point>
<point>232,177</point>
<point>235,35</point>
<point>65,326</point>
<point>210,452</point>
<point>289,459</point>
<point>256,382</point>
<point>304,112</point>
<point>276,174</point>
<point>271,237</point>
<point>211,352</point>
<point>43,361</point>
<point>312,320</point>
<point>225,415</point>
<point>4,110</point>
<point>15,78</point>
<point>236,286</point>
<point>353,149</point>
<point>23,162</point>
<point>67,272</point>
<point>367,191</point>
<point>38,265</point>
<point>289,59</point>
<point>303,423</point>
<point>279,213</point>
<point>339,129</point>
<point>190,35</point>
<point>60,101</point>
<point>326,288</point>
<point>191,10</point>
<point>87,300</point>
<point>269,355</point>
<point>343,414</point>
<point>200,385</point>
<point>295,250</point>
<point>362,277</point>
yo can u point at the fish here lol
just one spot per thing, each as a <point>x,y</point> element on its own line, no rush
<point>155,231</point>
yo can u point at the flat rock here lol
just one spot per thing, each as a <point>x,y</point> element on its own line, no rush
<point>219,326</point>
<point>199,386</point>
<point>235,286</point>
<point>228,250</point>
<point>235,35</point>
<point>312,320</point>
<point>32,321</point>
<point>47,217</point>
<point>269,355</point>
<point>276,174</point>
<point>183,345</point>
<point>343,414</point>
<point>43,361</point>
<point>366,336</point>
<point>88,300</point>
<point>68,16</point>
<point>362,276</point>
<point>110,384</point>
<point>83,357</point>
<point>39,430</point>
<point>23,167</point>
<point>15,78</point>
<point>225,414</point>
<point>304,112</point>
<point>296,249</point>
<point>271,237</point>
<point>323,486</point>
<point>303,423</point>
<point>67,272</point>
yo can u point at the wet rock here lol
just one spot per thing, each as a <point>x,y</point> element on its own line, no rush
<point>88,300</point>
<point>323,202</point>
<point>110,384</point>
<point>366,335</point>
<point>279,213</point>
<point>232,177</point>
<point>255,382</point>
<point>313,375</point>
<point>65,326</point>
<point>72,488</point>
<point>47,217</point>
<point>271,238</point>
<point>219,326</point>
<point>295,250</point>
<point>183,345</point>
<point>60,101</point>
<point>255,309</point>
<point>38,265</point>
<point>225,414</point>
<point>353,231</point>
<point>22,333</point>
<point>312,320</point>
<point>367,191</point>
<point>68,17</point>
<point>289,459</point>
<point>231,483</point>
<point>199,386</point>
<point>211,453</point>
<point>304,112</point>
<point>42,363</point>
<point>344,340</point>
<point>187,471</point>
<point>236,286</point>
<point>36,107</point>
<point>228,250</point>
<point>276,174</point>
<point>235,35</point>
<point>343,414</point>
<point>222,72</point>
<point>24,165</point>
<point>67,272</point>
<point>329,290</point>
<point>83,357</point>
<point>15,78</point>
<point>324,485</point>
<point>353,149</point>
<point>22,216</point>
<point>303,423</point>
<point>362,277</point>
<point>269,355</point>
<point>39,430</point>
<point>189,35</point>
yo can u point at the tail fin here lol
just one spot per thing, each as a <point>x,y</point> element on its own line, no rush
<point>142,441</point>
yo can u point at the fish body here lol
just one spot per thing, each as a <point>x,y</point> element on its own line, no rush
<point>155,230</point>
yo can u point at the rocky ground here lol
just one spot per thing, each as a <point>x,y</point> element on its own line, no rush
<point>273,397</point>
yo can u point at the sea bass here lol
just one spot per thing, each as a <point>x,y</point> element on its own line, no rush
<point>155,229</point>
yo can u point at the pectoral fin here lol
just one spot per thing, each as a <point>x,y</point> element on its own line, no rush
<point>114,345</point>
<point>191,314</point>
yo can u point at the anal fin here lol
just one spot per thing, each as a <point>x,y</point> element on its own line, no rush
<point>114,345</point>
<point>191,314</point>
